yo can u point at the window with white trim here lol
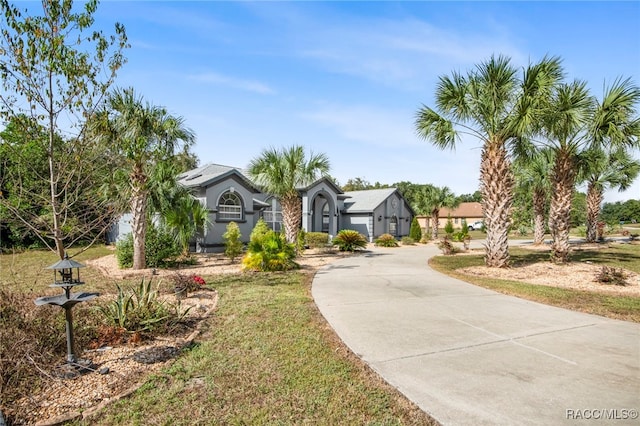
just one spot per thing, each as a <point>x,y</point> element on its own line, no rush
<point>230,206</point>
<point>272,216</point>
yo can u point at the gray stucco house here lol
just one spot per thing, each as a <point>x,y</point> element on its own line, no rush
<point>229,195</point>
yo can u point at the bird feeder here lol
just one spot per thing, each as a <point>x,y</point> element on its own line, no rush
<point>66,275</point>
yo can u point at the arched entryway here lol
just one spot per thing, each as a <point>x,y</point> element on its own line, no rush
<point>324,214</point>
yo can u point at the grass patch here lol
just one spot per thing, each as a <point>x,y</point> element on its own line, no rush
<point>24,272</point>
<point>613,306</point>
<point>267,357</point>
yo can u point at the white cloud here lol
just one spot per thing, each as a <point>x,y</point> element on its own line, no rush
<point>366,124</point>
<point>400,52</point>
<point>233,82</point>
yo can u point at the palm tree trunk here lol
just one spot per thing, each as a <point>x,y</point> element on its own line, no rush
<point>291,217</point>
<point>434,223</point>
<point>496,185</point>
<point>594,200</point>
<point>562,183</point>
<point>538,217</point>
<point>139,217</point>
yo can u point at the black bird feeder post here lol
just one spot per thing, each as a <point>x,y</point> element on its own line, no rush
<point>63,274</point>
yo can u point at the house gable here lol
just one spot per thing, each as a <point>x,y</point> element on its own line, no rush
<point>377,211</point>
<point>320,206</point>
<point>229,196</point>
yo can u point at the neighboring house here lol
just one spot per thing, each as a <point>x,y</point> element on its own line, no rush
<point>468,212</point>
<point>229,195</point>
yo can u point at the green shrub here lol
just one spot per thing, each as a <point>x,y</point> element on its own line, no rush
<point>386,240</point>
<point>232,243</point>
<point>160,248</point>
<point>448,227</point>
<point>350,240</point>
<point>415,232</point>
<point>301,241</point>
<point>269,252</point>
<point>260,230</point>
<point>408,241</point>
<point>426,236</point>
<point>124,251</point>
<point>461,235</point>
<point>317,239</point>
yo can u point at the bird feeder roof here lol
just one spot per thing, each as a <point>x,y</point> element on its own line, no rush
<point>65,264</point>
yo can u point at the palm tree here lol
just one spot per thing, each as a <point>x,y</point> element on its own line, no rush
<point>186,218</point>
<point>143,135</point>
<point>281,173</point>
<point>608,164</point>
<point>430,199</point>
<point>564,125</point>
<point>493,105</point>
<point>602,170</point>
<point>576,122</point>
<point>532,176</point>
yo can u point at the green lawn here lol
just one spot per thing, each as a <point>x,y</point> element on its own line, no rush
<point>26,272</point>
<point>266,357</point>
<point>625,256</point>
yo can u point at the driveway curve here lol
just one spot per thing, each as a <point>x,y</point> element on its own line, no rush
<point>470,356</point>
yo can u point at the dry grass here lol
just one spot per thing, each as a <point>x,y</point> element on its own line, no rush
<point>608,301</point>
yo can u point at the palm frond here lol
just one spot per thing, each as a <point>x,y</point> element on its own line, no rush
<point>433,127</point>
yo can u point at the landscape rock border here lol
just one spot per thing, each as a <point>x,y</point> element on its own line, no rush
<point>91,411</point>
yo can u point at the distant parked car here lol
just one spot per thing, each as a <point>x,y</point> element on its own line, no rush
<point>476,226</point>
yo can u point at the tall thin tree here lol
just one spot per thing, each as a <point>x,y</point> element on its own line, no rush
<point>565,124</point>
<point>56,69</point>
<point>615,134</point>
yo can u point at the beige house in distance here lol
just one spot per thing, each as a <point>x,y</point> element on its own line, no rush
<point>469,212</point>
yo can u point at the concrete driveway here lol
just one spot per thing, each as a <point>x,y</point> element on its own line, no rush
<point>470,356</point>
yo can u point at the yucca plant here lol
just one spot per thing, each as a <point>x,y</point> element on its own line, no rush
<point>139,310</point>
<point>118,310</point>
<point>350,240</point>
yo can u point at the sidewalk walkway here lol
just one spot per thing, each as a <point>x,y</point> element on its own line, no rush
<point>470,356</point>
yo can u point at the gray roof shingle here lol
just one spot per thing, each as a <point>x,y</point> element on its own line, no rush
<point>209,172</point>
<point>366,201</point>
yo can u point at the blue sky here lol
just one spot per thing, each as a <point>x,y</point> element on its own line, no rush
<point>346,78</point>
